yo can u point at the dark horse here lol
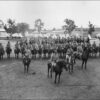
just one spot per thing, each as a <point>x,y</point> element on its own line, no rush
<point>26,62</point>
<point>17,51</point>
<point>8,51</point>
<point>22,50</point>
<point>57,69</point>
<point>2,52</point>
<point>85,56</point>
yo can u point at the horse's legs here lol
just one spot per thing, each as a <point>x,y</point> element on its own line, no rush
<point>17,56</point>
<point>74,61</point>
<point>55,76</point>
<point>27,68</point>
<point>72,68</point>
<point>69,68</point>
<point>32,56</point>
<point>1,56</point>
<point>82,63</point>
<point>9,56</point>
<point>24,68</point>
<point>85,64</point>
<point>48,71</point>
<point>51,72</point>
<point>59,78</point>
<point>95,54</point>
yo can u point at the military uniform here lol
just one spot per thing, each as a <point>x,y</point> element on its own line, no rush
<point>28,53</point>
<point>8,44</point>
<point>54,58</point>
<point>79,49</point>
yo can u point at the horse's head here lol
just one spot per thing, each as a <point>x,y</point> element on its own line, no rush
<point>62,64</point>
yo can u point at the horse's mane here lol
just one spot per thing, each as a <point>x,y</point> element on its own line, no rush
<point>60,63</point>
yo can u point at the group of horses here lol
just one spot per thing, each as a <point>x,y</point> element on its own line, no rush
<point>68,66</point>
<point>60,65</point>
<point>45,51</point>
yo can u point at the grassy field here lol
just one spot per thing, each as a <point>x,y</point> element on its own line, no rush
<point>14,84</point>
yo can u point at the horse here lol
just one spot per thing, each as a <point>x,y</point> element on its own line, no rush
<point>70,63</point>
<point>8,51</point>
<point>26,62</point>
<point>95,50</point>
<point>2,52</point>
<point>22,51</point>
<point>57,69</point>
<point>17,51</point>
<point>85,56</point>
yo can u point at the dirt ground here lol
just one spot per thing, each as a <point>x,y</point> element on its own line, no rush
<point>14,84</point>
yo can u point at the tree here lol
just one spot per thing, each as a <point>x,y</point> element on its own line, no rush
<point>70,26</point>
<point>22,28</point>
<point>39,25</point>
<point>10,27</point>
<point>91,28</point>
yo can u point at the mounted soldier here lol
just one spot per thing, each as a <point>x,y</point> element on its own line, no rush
<point>54,58</point>
<point>70,59</point>
<point>17,50</point>
<point>8,44</point>
<point>27,60</point>
<point>79,50</point>
<point>17,45</point>
<point>8,49</point>
<point>2,52</point>
<point>28,53</point>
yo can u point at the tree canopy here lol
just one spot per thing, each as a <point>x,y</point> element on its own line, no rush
<point>22,28</point>
<point>10,27</point>
<point>70,25</point>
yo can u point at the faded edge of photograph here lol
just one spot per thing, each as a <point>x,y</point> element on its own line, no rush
<point>50,50</point>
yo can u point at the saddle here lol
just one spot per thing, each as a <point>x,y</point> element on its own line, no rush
<point>26,60</point>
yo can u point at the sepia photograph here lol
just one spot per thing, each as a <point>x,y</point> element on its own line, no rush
<point>49,50</point>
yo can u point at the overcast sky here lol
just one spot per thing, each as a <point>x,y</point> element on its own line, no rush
<point>52,13</point>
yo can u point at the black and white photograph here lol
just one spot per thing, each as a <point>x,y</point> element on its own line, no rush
<point>49,50</point>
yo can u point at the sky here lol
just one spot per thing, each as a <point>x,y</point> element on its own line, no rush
<point>52,13</point>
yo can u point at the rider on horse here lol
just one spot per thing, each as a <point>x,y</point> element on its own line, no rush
<point>69,54</point>
<point>28,53</point>
<point>79,50</point>
<point>8,44</point>
<point>94,45</point>
<point>17,45</point>
<point>54,58</point>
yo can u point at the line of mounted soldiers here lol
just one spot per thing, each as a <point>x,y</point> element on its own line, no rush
<point>45,48</point>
